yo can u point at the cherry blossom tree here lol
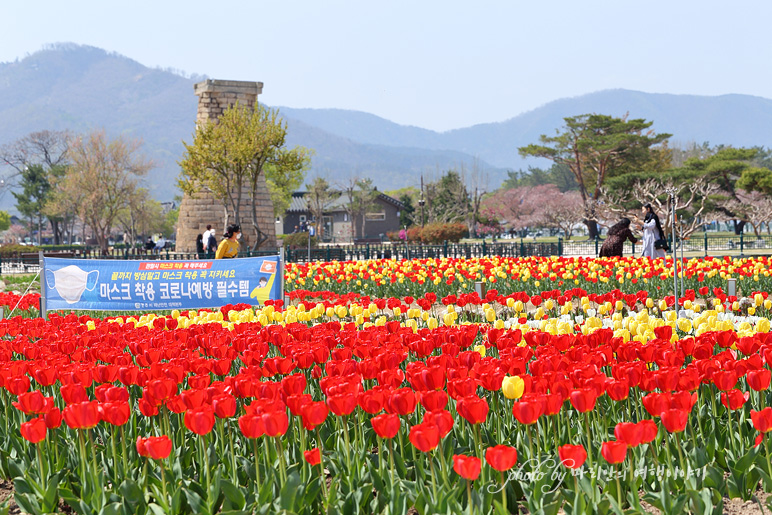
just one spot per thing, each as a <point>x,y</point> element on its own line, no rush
<point>535,206</point>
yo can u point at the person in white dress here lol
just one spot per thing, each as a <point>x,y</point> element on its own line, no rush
<point>652,231</point>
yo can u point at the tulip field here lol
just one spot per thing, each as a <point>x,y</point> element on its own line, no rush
<point>384,387</point>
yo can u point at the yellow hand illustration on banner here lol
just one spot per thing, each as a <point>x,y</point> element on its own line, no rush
<point>262,291</point>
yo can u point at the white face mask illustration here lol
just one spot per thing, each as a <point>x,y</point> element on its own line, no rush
<point>70,282</point>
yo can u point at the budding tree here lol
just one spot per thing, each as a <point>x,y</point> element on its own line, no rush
<point>101,180</point>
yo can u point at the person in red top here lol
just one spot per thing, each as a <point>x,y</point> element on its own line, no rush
<point>617,235</point>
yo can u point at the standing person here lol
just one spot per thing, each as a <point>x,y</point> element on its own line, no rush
<point>229,247</point>
<point>205,236</point>
<point>210,240</point>
<point>652,232</point>
<point>200,246</point>
<point>617,235</point>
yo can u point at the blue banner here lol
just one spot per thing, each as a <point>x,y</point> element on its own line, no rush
<point>126,285</point>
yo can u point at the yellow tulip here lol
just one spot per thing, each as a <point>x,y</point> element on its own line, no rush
<point>480,349</point>
<point>512,387</point>
<point>684,325</point>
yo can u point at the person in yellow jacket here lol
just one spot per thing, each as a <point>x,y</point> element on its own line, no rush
<point>229,247</point>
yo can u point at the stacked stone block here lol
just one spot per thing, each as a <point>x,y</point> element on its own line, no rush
<point>200,209</point>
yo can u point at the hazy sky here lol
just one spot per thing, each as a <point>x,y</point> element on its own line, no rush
<point>435,64</point>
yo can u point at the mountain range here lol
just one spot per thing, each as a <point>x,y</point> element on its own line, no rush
<point>67,86</point>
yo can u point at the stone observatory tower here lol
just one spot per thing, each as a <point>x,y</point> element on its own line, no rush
<point>201,208</point>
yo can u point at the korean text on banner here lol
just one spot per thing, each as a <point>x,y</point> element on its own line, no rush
<point>117,285</point>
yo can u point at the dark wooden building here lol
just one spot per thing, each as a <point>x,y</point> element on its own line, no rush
<point>336,225</point>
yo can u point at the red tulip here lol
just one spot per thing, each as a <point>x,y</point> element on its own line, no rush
<point>473,409</point>
<point>649,430</point>
<point>630,433</point>
<point>759,379</point>
<point>401,401</point>
<point>200,420</point>
<point>296,403</point>
<point>342,405</point>
<point>618,390</point>
<point>224,405</point>
<point>251,426</point>
<point>501,457</point>
<point>424,436</point>
<point>674,420</point>
<point>734,399</point>
<point>467,467</point>
<point>314,414</point>
<point>82,415</point>
<point>294,384</point>
<point>313,457</point>
<point>155,447</point>
<point>572,456</point>
<point>147,408</point>
<point>53,418</point>
<point>275,423</point>
<point>73,393</point>
<point>192,399</point>
<point>18,385</point>
<point>386,425</point>
<point>614,452</point>
<point>762,420</point>
<point>33,403</point>
<point>527,412</point>
<point>372,401</point>
<point>35,430</point>
<point>434,400</point>
<point>115,413</point>
<point>725,379</point>
<point>583,399</point>
<point>656,403</point>
<point>161,389</point>
<point>442,419</point>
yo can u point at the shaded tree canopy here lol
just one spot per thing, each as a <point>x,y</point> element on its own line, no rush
<point>228,156</point>
<point>595,147</point>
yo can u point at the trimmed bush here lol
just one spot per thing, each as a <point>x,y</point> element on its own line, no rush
<point>298,239</point>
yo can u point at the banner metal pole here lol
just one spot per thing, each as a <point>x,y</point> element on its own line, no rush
<point>281,274</point>
<point>43,307</point>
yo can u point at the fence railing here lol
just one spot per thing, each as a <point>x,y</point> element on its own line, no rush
<point>700,244</point>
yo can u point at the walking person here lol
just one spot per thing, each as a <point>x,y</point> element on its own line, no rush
<point>615,240</point>
<point>654,243</point>
<point>229,246</point>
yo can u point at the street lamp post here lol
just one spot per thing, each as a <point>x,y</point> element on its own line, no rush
<point>421,201</point>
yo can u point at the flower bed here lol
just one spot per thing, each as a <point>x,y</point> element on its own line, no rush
<point>446,402</point>
<point>445,276</point>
